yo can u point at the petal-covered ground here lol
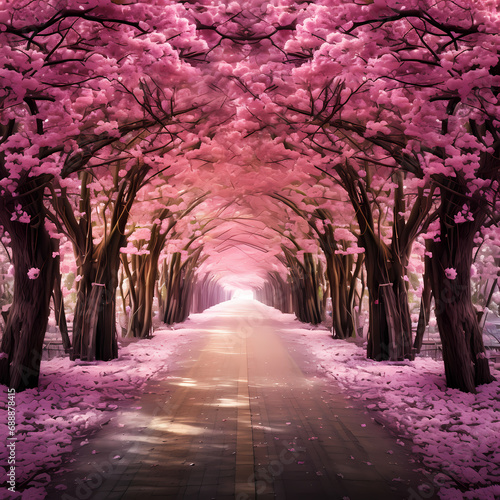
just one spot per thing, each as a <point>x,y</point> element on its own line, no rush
<point>75,399</point>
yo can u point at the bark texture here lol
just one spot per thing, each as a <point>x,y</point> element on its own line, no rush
<point>179,278</point>
<point>27,320</point>
<point>466,365</point>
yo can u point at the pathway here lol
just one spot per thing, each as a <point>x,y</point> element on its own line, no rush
<point>240,416</point>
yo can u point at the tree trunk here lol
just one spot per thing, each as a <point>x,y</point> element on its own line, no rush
<point>132,328</point>
<point>312,301</point>
<point>173,285</point>
<point>94,326</point>
<point>141,296</point>
<point>277,293</point>
<point>389,335</point>
<point>60,315</point>
<point>466,365</point>
<point>142,281</point>
<point>32,247</point>
<point>180,278</point>
<point>304,287</point>
<point>425,302</point>
<point>207,292</point>
<point>342,317</point>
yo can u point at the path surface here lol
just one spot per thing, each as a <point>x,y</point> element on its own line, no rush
<point>240,416</point>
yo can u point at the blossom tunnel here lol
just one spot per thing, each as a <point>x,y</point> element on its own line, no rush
<point>335,161</point>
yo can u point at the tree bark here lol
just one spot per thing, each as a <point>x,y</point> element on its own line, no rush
<point>207,292</point>
<point>94,325</point>
<point>466,365</point>
<point>26,324</point>
<point>337,270</point>
<point>277,293</point>
<point>145,269</point>
<point>425,301</point>
<point>304,288</point>
<point>59,313</point>
<point>142,281</point>
<point>180,278</point>
<point>387,339</point>
<point>389,332</point>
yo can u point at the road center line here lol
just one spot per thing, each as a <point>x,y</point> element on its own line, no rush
<point>245,479</point>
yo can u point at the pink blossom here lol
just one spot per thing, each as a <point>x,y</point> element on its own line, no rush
<point>450,273</point>
<point>24,218</point>
<point>33,273</point>
<point>21,216</point>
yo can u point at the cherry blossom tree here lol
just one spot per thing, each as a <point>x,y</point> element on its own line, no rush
<point>449,58</point>
<point>336,238</point>
<point>410,88</point>
<point>69,75</point>
<point>145,247</point>
<point>255,111</point>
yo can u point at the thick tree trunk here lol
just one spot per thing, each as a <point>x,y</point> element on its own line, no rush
<point>389,335</point>
<point>466,365</point>
<point>22,340</point>
<point>342,316</point>
<point>94,326</point>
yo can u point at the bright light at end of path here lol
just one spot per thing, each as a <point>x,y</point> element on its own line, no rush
<point>243,294</point>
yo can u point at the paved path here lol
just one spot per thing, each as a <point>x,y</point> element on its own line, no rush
<point>240,416</point>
